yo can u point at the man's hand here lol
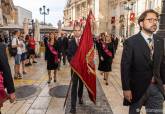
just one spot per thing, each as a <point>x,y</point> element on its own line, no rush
<point>164,86</point>
<point>127,95</point>
<point>12,97</point>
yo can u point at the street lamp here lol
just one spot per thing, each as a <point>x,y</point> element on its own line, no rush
<point>128,6</point>
<point>161,30</point>
<point>44,12</point>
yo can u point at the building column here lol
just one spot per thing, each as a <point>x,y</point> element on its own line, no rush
<point>1,17</point>
<point>161,30</point>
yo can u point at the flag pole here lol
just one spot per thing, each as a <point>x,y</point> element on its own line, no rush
<point>89,10</point>
<point>67,94</point>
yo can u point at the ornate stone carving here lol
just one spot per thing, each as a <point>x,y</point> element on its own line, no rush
<point>8,11</point>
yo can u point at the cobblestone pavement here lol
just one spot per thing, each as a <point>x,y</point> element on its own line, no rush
<point>102,106</point>
<point>109,98</point>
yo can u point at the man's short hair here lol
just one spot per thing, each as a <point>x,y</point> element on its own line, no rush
<point>15,31</point>
<point>144,15</point>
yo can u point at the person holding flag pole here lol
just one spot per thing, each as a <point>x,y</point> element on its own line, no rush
<point>81,59</point>
<point>76,81</point>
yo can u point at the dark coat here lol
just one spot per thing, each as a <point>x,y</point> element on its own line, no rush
<point>51,64</point>
<point>63,42</point>
<point>46,43</point>
<point>5,68</point>
<point>137,68</point>
<point>72,47</point>
<point>116,40</point>
<point>106,64</point>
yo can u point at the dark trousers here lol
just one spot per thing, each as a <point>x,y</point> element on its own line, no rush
<point>64,58</point>
<point>152,100</point>
<point>76,84</point>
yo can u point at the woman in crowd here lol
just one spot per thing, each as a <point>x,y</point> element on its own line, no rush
<point>106,56</point>
<point>99,40</point>
<point>31,48</point>
<point>6,80</point>
<point>17,45</point>
<point>28,63</point>
<point>52,56</point>
<point>24,53</point>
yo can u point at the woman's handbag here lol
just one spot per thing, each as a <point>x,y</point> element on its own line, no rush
<point>13,51</point>
<point>3,94</point>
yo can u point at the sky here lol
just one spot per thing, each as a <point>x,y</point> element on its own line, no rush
<point>56,9</point>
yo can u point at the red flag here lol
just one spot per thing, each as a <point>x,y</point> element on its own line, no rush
<point>113,20</point>
<point>132,16</point>
<point>83,61</point>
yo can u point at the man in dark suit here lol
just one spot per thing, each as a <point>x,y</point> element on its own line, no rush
<point>73,45</point>
<point>46,38</point>
<point>143,67</point>
<point>63,43</point>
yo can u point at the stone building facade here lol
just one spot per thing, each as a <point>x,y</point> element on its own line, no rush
<point>22,14</point>
<point>77,10</point>
<point>7,12</point>
<point>123,15</point>
<point>112,16</point>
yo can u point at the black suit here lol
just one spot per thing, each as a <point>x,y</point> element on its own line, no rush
<point>75,79</point>
<point>63,43</point>
<point>5,68</point>
<point>137,68</point>
<point>72,47</point>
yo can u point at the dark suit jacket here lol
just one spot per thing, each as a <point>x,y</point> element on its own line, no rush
<point>63,43</point>
<point>5,68</point>
<point>137,68</point>
<point>72,47</point>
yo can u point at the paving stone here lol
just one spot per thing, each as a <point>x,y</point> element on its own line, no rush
<point>59,91</point>
<point>43,103</point>
<point>26,92</point>
<point>102,106</point>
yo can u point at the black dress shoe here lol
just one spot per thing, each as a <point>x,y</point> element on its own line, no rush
<point>34,62</point>
<point>81,101</point>
<point>28,64</point>
<point>73,110</point>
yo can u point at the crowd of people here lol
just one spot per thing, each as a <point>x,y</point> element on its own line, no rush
<point>25,52</point>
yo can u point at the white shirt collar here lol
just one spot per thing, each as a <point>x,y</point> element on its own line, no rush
<point>78,40</point>
<point>145,36</point>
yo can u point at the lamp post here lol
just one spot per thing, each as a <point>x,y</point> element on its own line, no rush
<point>161,30</point>
<point>43,12</point>
<point>128,6</point>
<point>59,24</point>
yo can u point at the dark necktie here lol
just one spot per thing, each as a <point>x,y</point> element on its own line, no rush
<point>150,44</point>
<point>150,40</point>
